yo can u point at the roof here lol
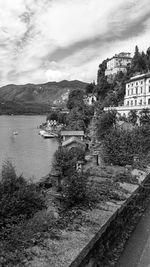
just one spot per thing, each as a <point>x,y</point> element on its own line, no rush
<point>122,55</point>
<point>72,133</point>
<point>139,77</point>
<point>73,140</point>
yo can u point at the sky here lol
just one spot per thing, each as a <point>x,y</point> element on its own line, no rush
<point>54,40</point>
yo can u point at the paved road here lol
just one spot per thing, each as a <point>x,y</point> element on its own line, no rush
<point>137,249</point>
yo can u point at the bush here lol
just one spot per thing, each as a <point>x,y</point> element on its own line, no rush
<point>75,189</point>
<point>118,148</point>
<point>15,239</point>
<point>18,198</point>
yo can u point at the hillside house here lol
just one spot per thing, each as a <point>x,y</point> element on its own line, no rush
<point>118,63</point>
<point>74,142</point>
<point>90,99</point>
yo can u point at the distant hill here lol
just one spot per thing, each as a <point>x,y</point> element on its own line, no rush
<point>39,97</point>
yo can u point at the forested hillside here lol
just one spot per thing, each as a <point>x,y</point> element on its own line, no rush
<point>36,98</point>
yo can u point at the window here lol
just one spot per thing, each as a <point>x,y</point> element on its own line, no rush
<point>149,89</point>
<point>131,102</point>
<point>132,91</point>
<point>135,102</point>
<point>127,103</point>
<point>141,82</point>
<point>136,83</point>
<point>136,90</point>
<point>141,89</point>
<point>128,92</point>
<point>149,101</point>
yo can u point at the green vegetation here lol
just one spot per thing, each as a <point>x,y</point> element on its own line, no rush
<point>57,115</point>
<point>122,147</point>
<point>105,123</point>
<point>19,226</point>
<point>80,114</point>
<point>64,161</point>
<point>75,189</point>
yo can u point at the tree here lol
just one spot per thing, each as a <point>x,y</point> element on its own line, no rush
<point>18,199</point>
<point>90,88</point>
<point>132,117</point>
<point>117,146</point>
<point>138,63</point>
<point>53,116</point>
<point>62,162</point>
<point>75,99</point>
<point>105,123</point>
<point>144,117</point>
<point>148,59</point>
<point>75,189</point>
<point>77,153</point>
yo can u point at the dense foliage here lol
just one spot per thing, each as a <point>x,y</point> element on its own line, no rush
<point>121,147</point>
<point>80,114</point>
<point>75,99</point>
<point>18,198</point>
<point>20,224</point>
<point>105,123</point>
<point>57,115</point>
<point>75,188</point>
<point>65,160</point>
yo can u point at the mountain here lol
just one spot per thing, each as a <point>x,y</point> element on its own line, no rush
<point>36,98</point>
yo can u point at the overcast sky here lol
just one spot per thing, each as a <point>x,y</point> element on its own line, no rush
<point>47,40</point>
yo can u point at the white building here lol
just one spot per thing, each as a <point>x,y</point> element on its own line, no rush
<point>118,63</point>
<point>137,96</point>
<point>90,99</point>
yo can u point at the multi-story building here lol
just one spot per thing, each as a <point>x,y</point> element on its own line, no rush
<point>137,96</point>
<point>118,63</point>
<point>138,91</point>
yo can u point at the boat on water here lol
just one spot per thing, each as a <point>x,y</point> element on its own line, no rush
<point>45,134</point>
<point>15,133</point>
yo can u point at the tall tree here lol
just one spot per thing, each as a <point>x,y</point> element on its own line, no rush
<point>148,59</point>
<point>90,88</point>
<point>75,99</point>
<point>105,123</point>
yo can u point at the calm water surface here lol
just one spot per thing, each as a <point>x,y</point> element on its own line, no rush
<point>28,151</point>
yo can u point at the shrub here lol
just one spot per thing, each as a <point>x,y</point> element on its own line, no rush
<point>117,147</point>
<point>18,198</point>
<point>75,189</point>
<point>121,146</point>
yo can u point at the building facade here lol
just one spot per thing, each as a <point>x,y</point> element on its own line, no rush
<point>118,63</point>
<point>137,96</point>
<point>138,91</point>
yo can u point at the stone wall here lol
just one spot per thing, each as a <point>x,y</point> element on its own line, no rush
<point>95,253</point>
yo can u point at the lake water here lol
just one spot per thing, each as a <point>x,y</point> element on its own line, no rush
<point>28,151</point>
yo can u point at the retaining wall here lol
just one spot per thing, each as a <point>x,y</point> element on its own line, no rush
<point>100,245</point>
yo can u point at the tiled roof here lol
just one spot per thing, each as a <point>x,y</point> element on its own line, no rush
<point>72,140</point>
<point>72,133</point>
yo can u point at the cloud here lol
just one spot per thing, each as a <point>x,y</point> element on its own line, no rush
<point>45,40</point>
